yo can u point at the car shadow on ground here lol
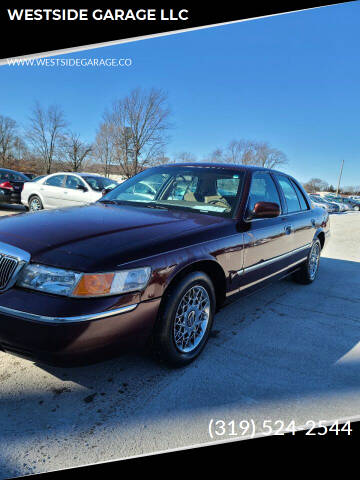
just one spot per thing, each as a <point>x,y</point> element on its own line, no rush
<point>12,208</point>
<point>288,343</point>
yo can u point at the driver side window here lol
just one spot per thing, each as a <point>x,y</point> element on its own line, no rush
<point>262,189</point>
<point>73,182</point>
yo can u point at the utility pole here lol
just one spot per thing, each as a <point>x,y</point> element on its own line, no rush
<point>341,169</point>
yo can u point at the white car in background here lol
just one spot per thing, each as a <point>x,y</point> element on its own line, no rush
<point>64,189</point>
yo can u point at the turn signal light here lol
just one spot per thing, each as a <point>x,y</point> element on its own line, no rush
<point>93,285</point>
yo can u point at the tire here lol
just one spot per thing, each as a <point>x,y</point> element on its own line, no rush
<point>35,201</point>
<point>179,343</point>
<point>308,271</point>
<point>356,208</point>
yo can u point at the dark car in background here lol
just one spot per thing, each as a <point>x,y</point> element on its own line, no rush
<point>31,176</point>
<point>11,185</point>
<point>79,284</point>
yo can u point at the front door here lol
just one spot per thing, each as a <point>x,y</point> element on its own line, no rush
<point>75,192</point>
<point>265,242</point>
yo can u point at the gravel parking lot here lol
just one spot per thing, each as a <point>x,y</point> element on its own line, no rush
<point>292,353</point>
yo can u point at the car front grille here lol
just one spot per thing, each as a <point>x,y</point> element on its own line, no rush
<point>8,266</point>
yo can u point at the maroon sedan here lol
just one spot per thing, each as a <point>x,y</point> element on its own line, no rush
<point>152,261</point>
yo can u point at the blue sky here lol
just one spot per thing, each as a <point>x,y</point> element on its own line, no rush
<point>292,80</point>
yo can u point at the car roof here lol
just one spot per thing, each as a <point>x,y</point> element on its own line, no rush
<point>85,174</point>
<point>225,166</point>
<point>79,174</point>
<point>10,171</point>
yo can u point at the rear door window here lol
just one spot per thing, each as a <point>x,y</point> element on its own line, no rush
<point>300,195</point>
<point>291,198</point>
<point>55,181</point>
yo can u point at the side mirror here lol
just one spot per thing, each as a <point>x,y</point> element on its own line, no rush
<point>265,210</point>
<point>107,190</point>
<point>81,187</point>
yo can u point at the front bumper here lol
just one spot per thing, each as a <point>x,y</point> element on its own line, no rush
<point>76,339</point>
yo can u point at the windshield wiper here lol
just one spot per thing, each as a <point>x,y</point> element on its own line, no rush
<point>155,205</point>
<point>113,202</point>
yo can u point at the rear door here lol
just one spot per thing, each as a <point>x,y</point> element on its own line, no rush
<point>52,191</point>
<point>297,217</point>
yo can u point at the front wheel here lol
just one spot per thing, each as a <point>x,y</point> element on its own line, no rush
<point>185,319</point>
<point>310,268</point>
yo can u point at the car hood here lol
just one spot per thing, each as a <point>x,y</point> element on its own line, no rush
<point>99,236</point>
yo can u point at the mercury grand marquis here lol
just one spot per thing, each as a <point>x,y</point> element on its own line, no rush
<point>152,261</point>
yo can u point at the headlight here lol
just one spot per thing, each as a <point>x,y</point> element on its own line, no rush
<point>73,284</point>
<point>48,279</point>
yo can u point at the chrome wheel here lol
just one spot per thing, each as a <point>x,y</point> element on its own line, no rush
<point>191,319</point>
<point>314,260</point>
<point>35,204</point>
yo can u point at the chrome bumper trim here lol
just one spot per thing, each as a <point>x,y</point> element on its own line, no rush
<point>61,320</point>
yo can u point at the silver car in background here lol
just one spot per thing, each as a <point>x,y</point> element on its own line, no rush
<point>331,207</point>
<point>64,189</point>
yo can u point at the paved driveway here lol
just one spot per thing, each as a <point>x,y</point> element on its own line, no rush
<point>291,353</point>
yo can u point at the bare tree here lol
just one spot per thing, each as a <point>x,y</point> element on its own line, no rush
<point>316,185</point>
<point>185,157</point>
<point>45,132</point>
<point>8,136</point>
<point>104,150</point>
<point>138,124</point>
<point>248,152</point>
<point>75,151</point>
<point>20,150</point>
<point>217,156</point>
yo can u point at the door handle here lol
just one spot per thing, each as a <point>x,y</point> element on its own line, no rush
<point>288,229</point>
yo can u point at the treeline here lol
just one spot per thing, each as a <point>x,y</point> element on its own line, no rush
<point>133,134</point>
<point>317,185</point>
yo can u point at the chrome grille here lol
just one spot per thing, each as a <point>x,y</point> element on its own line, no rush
<point>8,266</point>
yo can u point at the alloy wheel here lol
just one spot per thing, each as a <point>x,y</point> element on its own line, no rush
<point>35,205</point>
<point>191,319</point>
<point>314,260</point>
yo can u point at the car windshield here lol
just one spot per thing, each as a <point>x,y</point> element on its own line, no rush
<point>99,183</point>
<point>203,189</point>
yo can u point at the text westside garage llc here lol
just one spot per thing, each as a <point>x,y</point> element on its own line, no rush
<point>84,14</point>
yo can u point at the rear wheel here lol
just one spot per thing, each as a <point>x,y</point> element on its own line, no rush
<point>310,268</point>
<point>185,319</point>
<point>356,208</point>
<point>35,204</point>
